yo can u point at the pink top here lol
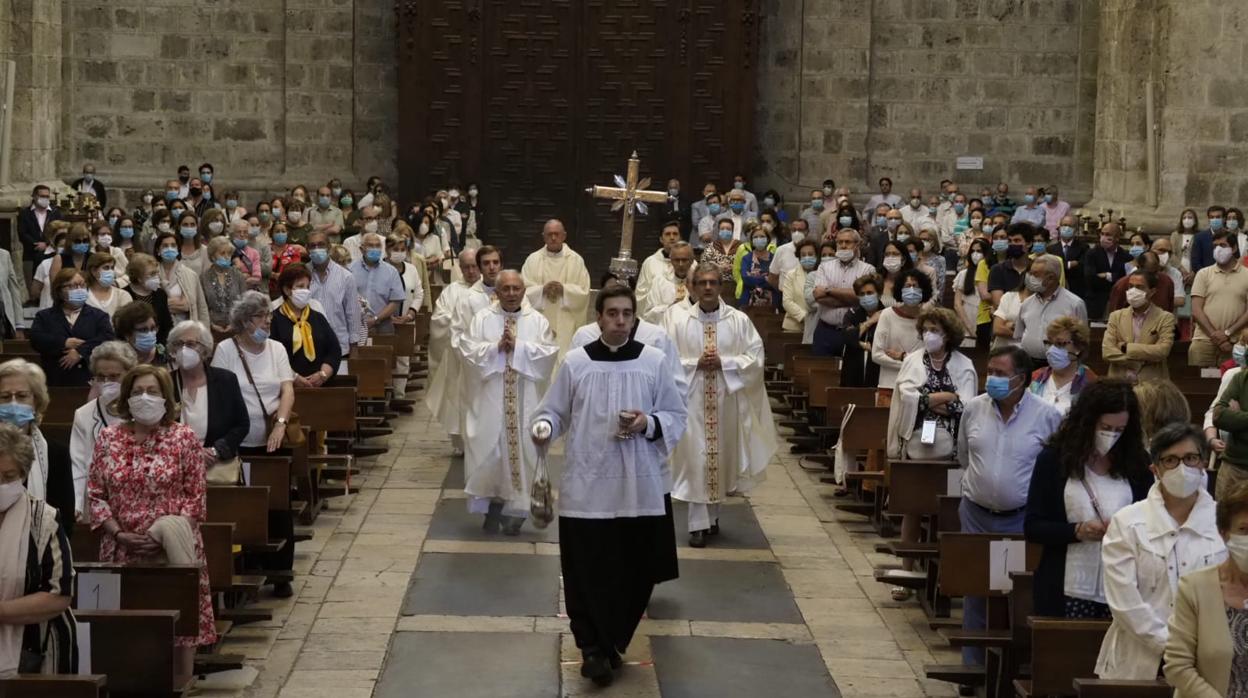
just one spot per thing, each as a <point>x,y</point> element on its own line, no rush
<point>248,262</point>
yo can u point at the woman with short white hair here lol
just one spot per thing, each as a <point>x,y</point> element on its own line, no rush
<point>23,401</point>
<point>109,362</point>
<point>222,283</point>
<point>212,404</point>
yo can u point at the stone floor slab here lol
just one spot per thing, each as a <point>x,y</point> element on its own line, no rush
<point>738,527</point>
<point>752,592</point>
<point>470,665</point>
<point>452,521</point>
<point>462,584</point>
<point>744,668</point>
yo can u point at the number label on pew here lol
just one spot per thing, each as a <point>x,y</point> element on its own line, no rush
<point>99,591</point>
<point>1004,557</point>
<point>1210,373</point>
<point>84,648</point>
<point>953,482</point>
<point>247,474</point>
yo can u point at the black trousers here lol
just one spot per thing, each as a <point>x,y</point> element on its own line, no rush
<point>610,567</point>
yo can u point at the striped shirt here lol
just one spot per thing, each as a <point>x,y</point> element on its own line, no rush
<point>339,296</point>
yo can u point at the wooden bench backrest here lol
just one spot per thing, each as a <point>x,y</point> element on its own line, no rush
<point>805,364</point>
<point>85,543</point>
<point>19,347</point>
<point>245,507</point>
<point>1020,606</point>
<point>219,554</point>
<point>435,290</point>
<point>147,587</point>
<point>63,401</point>
<point>420,327</point>
<point>915,485</point>
<point>371,377</point>
<point>326,408</point>
<point>947,518</point>
<point>835,399</point>
<point>821,379</point>
<point>53,686</point>
<point>272,472</point>
<point>134,649</point>
<point>384,353</point>
<point>964,562</point>
<point>867,429</point>
<point>1103,688</point>
<point>774,343</point>
<point>1062,651</point>
<point>792,351</point>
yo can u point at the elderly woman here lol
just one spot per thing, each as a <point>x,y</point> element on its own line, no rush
<point>1207,647</point>
<point>147,492</point>
<point>136,325</point>
<point>1092,467</point>
<point>932,386</point>
<point>102,283</point>
<point>300,327</point>
<point>67,333</point>
<point>930,255</point>
<point>109,363</point>
<point>179,281</point>
<point>37,632</point>
<point>1066,345</point>
<point>222,284</point>
<point>262,369</point>
<point>23,401</point>
<point>722,251</point>
<point>1149,546</point>
<point>212,403</point>
<point>799,317</point>
<point>246,258</point>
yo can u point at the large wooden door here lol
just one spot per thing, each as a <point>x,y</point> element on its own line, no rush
<point>537,99</point>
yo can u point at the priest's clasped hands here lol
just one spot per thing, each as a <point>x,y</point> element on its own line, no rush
<point>553,290</point>
<point>709,361</point>
<point>507,344</point>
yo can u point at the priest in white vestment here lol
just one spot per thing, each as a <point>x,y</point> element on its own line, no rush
<point>731,435</point>
<point>656,265</point>
<point>558,284</point>
<point>668,290</point>
<point>509,356</point>
<point>622,413</point>
<point>442,396</point>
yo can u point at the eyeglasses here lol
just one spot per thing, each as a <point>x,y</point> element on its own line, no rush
<point>1060,345</point>
<point>1192,460</point>
<point>189,344</point>
<point>20,396</point>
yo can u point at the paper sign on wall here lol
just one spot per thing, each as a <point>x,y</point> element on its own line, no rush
<point>953,482</point>
<point>1004,557</point>
<point>968,162</point>
<point>99,591</point>
<point>84,648</point>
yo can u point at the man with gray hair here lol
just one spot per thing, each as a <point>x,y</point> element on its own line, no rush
<point>1048,302</point>
<point>379,284</point>
<point>831,289</point>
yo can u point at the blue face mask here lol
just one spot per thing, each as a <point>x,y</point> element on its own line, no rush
<point>222,262</point>
<point>318,256</point>
<point>231,203</point>
<point>346,201</point>
<point>1215,223</point>
<point>1239,353</point>
<point>809,263</point>
<point>1136,251</point>
<point>725,235</point>
<point>959,208</point>
<point>145,341</point>
<point>112,220</point>
<point>1029,198</point>
<point>911,296</point>
<point>714,209</point>
<point>280,238</point>
<point>171,196</point>
<point>169,254</point>
<point>77,297</point>
<point>737,207</point>
<point>997,387</point>
<point>1038,247</point>
<point>107,277</point>
<point>265,216</point>
<point>869,302</point>
<point>1048,198</point>
<point>239,244</point>
<point>207,195</point>
<point>373,256</point>
<point>126,233</point>
<point>845,221</point>
<point>81,247</point>
<point>188,232</point>
<point>1067,232</point>
<point>16,413</point>
<point>816,204</point>
<point>999,246</point>
<point>902,237</point>
<point>914,256</point>
<point>206,178</point>
<point>259,335</point>
<point>759,243</point>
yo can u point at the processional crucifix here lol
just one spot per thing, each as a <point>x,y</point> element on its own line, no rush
<point>630,195</point>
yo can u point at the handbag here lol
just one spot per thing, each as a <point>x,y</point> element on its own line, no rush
<point>294,435</point>
<point>541,501</point>
<point>226,472</point>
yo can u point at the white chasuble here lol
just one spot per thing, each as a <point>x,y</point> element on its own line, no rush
<point>443,361</point>
<point>731,436</point>
<point>568,312</point>
<point>663,294</point>
<point>502,392</point>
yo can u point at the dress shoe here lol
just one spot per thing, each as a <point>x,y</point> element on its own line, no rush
<point>598,669</point>
<point>697,539</point>
<point>282,590</point>
<point>511,525</point>
<point>714,528</point>
<point>492,523</point>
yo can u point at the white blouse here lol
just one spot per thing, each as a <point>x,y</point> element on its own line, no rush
<point>1084,577</point>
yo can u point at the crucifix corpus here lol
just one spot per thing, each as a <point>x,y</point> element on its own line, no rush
<point>630,195</point>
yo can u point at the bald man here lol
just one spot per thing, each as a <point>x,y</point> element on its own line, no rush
<point>443,395</point>
<point>558,284</point>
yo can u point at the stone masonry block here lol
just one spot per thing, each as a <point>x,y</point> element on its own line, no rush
<point>238,129</point>
<point>98,72</point>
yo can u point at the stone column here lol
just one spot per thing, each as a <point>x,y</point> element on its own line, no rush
<point>31,36</point>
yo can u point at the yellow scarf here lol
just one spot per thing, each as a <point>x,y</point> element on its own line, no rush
<point>302,336</point>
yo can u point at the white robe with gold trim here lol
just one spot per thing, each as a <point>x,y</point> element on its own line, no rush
<point>570,311</point>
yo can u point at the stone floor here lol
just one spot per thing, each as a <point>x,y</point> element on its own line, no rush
<point>400,593</point>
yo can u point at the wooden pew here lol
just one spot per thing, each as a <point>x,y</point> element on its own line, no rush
<point>134,649</point>
<point>914,489</point>
<point>324,410</point>
<point>150,587</point>
<point>1101,688</point>
<point>248,509</point>
<point>1061,651</point>
<point>54,686</point>
<point>866,434</point>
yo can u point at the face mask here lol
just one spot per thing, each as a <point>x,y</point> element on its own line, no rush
<point>147,410</point>
<point>112,220</point>
<point>187,358</point>
<point>768,202</point>
<point>80,247</point>
<point>144,341</point>
<point>164,226</point>
<point>195,191</point>
<point>809,263</point>
<point>126,233</point>
<point>184,178</point>
<point>300,297</point>
<point>19,414</point>
<point>259,335</point>
<point>205,177</point>
<point>959,208</point>
<point>10,494</point>
<point>318,256</point>
<point>147,199</point>
<point>336,191</point>
<point>827,191</point>
<point>1232,224</point>
<point>346,201</point>
<point>370,227</point>
<point>1137,298</point>
<point>373,256</point>
<point>1014,251</point>
<point>1215,223</point>
<point>759,243</point>
<point>869,302</point>
<point>797,237</point>
<point>76,297</point>
<point>714,209</point>
<point>109,391</point>
<point>295,216</point>
<point>914,203</point>
<point>737,207</point>
<point>1183,482</point>
<point>171,196</point>
<point>216,227</point>
<point>933,342</point>
<point>1067,232</point>
<point>931,211</point>
<point>928,246</point>
<point>104,241</point>
<point>845,221</point>
<point>239,244</point>
<point>323,201</point>
<point>1048,198</point>
<point>1029,198</point>
<point>999,246</point>
<point>472,191</point>
<point>725,235</point>
<point>1038,247</point>
<point>893,224</point>
<point>827,259</point>
<point>1239,353</point>
<point>998,387</point>
<point>1105,440</point>
<point>398,257</point>
<point>914,256</point>
<point>231,203</point>
<point>152,283</point>
<point>1058,357</point>
<point>987,228</point>
<point>846,256</point>
<point>1034,284</point>
<point>1189,222</point>
<point>769,226</point>
<point>1222,255</point>
<point>892,264</point>
<point>911,296</point>
<point>740,186</point>
<point>222,262</point>
<point>816,204</point>
<point>277,212</point>
<point>976,258</point>
<point>280,238</point>
<point>169,254</point>
<point>1136,251</point>
<point>1163,258</point>
<point>189,232</point>
<point>107,277</point>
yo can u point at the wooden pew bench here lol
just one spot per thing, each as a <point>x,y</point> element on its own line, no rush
<point>1100,688</point>
<point>1061,651</point>
<point>134,650</point>
<point>147,587</point>
<point>54,686</point>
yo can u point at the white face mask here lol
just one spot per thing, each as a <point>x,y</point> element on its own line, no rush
<point>933,341</point>
<point>188,358</point>
<point>892,263</point>
<point>1189,223</point>
<point>10,493</point>
<point>977,257</point>
<point>295,216</point>
<point>1137,298</point>
<point>1222,255</point>
<point>424,230</point>
<point>104,240</point>
<point>398,257</point>
<point>1237,546</point>
<point>147,409</point>
<point>1105,440</point>
<point>300,297</point>
<point>216,227</point>
<point>846,256</point>
<point>370,227</point>
<point>1164,258</point>
<point>109,391</point>
<point>1183,482</point>
<point>152,283</point>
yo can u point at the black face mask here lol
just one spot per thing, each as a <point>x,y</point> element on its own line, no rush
<point>1015,251</point>
<point>184,178</point>
<point>196,191</point>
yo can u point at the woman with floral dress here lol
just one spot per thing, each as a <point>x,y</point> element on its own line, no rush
<point>147,491</point>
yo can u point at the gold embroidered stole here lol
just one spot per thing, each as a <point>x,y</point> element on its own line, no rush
<point>710,414</point>
<point>511,417</point>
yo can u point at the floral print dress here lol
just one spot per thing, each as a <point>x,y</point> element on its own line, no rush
<point>136,483</point>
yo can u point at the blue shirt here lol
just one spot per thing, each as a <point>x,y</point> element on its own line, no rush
<point>379,286</point>
<point>338,295</point>
<point>998,456</point>
<point>1034,216</point>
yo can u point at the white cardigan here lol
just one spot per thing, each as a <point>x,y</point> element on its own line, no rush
<point>904,409</point>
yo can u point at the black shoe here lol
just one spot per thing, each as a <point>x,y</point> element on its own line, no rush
<point>616,660</point>
<point>597,668</point>
<point>966,690</point>
<point>282,590</point>
<point>511,525</point>
<point>697,539</point>
<point>714,528</point>
<point>492,524</point>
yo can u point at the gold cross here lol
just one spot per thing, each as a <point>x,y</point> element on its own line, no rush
<point>627,196</point>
